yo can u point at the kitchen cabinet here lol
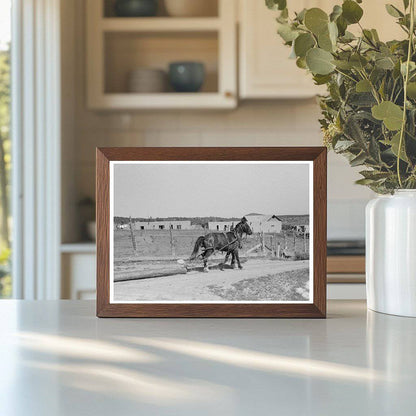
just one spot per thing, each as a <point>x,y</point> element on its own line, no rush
<point>78,264</point>
<point>118,45</point>
<point>265,70</point>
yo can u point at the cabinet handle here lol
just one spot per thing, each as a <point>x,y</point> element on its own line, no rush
<point>228,94</point>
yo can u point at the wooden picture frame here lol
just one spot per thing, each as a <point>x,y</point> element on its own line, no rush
<point>316,308</point>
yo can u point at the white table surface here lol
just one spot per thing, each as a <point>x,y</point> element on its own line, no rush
<point>57,359</point>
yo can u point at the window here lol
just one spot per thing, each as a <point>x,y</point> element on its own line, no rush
<point>179,227</point>
<point>161,227</point>
<point>5,144</point>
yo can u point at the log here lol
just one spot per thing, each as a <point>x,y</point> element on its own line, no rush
<point>150,274</point>
<point>200,267</point>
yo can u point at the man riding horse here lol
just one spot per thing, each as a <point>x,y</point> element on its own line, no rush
<point>228,242</point>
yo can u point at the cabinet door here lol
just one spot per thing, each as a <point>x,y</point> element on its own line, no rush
<point>265,68</point>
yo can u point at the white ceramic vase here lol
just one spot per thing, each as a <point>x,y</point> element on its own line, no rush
<point>391,253</point>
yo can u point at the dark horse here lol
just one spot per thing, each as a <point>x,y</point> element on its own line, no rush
<point>228,242</point>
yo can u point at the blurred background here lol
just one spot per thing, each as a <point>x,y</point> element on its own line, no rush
<point>145,73</point>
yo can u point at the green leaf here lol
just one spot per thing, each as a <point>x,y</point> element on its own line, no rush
<point>286,32</point>
<point>393,11</point>
<point>316,20</point>
<point>377,75</point>
<point>351,11</point>
<point>358,160</point>
<point>361,99</point>
<point>301,63</point>
<point>347,37</point>
<point>333,32</point>
<point>283,17</point>
<point>303,43</point>
<point>300,17</point>
<point>336,12</point>
<point>321,79</point>
<point>358,61</point>
<point>343,65</point>
<point>284,14</point>
<point>374,150</point>
<point>363,86</point>
<point>368,36</point>
<point>391,114</point>
<point>375,175</point>
<point>406,4</point>
<point>327,40</point>
<point>319,61</point>
<point>394,144</point>
<point>412,67</point>
<point>276,4</point>
<point>385,63</point>
<point>411,90</point>
<point>375,35</point>
<point>364,181</point>
<point>354,131</point>
<point>342,25</point>
<point>343,145</point>
<point>325,43</point>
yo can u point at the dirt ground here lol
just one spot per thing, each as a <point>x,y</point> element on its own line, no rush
<point>260,279</point>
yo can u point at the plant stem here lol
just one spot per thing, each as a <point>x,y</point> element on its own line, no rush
<point>345,75</point>
<point>406,80</point>
<point>373,89</point>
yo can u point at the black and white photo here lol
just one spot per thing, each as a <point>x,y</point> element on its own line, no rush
<point>211,232</point>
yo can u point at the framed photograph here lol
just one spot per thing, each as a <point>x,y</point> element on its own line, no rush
<point>211,232</point>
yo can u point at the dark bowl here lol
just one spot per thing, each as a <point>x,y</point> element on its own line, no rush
<point>136,8</point>
<point>186,76</point>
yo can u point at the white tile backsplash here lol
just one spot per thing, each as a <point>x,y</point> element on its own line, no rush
<point>286,123</point>
<point>346,219</point>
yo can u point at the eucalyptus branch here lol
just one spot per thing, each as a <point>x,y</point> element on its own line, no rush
<point>373,89</point>
<point>346,75</point>
<point>398,95</point>
<point>363,110</point>
<point>406,80</point>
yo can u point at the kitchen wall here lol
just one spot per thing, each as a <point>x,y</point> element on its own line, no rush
<point>255,123</point>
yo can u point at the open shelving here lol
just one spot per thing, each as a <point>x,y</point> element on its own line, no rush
<point>118,45</point>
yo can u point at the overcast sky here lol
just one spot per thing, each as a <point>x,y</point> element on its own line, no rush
<point>199,190</point>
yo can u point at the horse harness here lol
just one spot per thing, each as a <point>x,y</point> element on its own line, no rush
<point>222,248</point>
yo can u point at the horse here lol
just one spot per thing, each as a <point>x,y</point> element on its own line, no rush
<point>228,242</point>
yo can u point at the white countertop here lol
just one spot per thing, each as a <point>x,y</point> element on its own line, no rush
<point>57,359</point>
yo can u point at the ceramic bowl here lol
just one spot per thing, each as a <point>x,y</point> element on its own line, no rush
<point>147,80</point>
<point>186,76</point>
<point>135,8</point>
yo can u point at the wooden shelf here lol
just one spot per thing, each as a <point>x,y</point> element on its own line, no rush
<point>128,101</point>
<point>159,24</point>
<point>116,46</point>
<point>81,247</point>
<point>346,264</point>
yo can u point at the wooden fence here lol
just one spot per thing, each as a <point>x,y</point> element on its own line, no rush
<point>171,244</point>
